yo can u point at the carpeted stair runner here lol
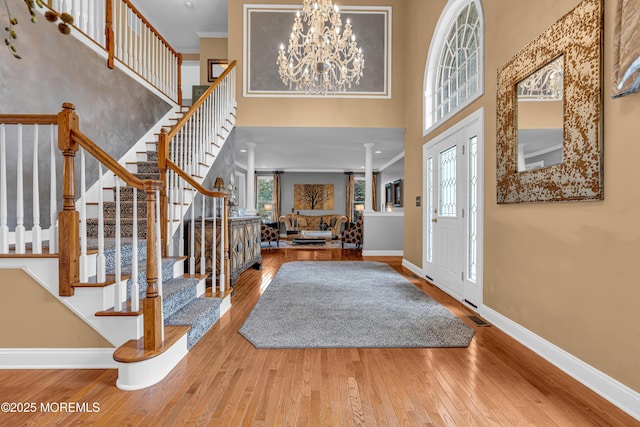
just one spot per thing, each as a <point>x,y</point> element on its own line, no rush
<point>180,303</point>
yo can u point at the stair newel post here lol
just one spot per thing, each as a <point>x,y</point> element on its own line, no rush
<point>69,217</point>
<point>108,32</point>
<point>152,304</point>
<point>163,154</point>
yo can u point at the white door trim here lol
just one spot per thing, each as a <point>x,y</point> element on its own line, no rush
<point>471,125</point>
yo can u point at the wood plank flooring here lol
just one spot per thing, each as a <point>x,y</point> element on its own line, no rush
<point>225,381</point>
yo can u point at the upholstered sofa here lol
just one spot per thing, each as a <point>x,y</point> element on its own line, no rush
<point>293,222</point>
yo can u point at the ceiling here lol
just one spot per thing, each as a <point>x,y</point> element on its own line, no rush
<point>318,149</point>
<point>180,25</point>
<point>286,149</point>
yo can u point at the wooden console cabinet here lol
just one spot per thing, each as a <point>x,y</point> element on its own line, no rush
<point>244,244</point>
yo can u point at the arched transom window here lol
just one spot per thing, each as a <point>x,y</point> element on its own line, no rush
<point>454,72</point>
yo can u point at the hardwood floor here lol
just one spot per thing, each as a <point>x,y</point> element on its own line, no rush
<point>224,380</point>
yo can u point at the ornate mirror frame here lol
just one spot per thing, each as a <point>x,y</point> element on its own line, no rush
<point>577,36</point>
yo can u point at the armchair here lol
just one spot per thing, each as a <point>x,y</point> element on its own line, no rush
<point>269,234</point>
<point>353,234</point>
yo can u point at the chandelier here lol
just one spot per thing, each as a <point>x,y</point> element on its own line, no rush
<point>322,57</point>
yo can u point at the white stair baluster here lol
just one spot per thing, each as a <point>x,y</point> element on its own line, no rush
<point>222,245</point>
<point>192,240</point>
<point>84,267</point>
<point>118,297</point>
<point>181,232</point>
<point>135,298</point>
<point>4,228</point>
<point>101,274</point>
<point>203,259</point>
<point>36,230</point>
<point>91,18</point>
<point>53,200</point>
<point>20,231</point>
<point>170,211</point>
<point>214,251</point>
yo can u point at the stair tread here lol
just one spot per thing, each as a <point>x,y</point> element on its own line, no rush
<point>125,312</point>
<point>191,312</point>
<point>200,314</point>
<point>92,282</point>
<point>133,350</point>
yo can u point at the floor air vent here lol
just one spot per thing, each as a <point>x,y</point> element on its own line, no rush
<point>477,321</point>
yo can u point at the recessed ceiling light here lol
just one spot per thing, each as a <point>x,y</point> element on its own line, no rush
<point>243,150</point>
<point>361,167</point>
<point>378,152</point>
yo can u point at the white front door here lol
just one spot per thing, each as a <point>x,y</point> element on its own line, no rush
<point>453,210</point>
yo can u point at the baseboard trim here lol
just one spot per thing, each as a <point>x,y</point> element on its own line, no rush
<point>615,392</point>
<point>413,268</point>
<point>368,252</point>
<point>57,358</point>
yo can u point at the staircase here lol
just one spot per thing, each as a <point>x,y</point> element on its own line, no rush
<point>172,310</point>
<point>184,302</point>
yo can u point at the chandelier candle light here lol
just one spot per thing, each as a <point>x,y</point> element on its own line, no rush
<point>322,57</point>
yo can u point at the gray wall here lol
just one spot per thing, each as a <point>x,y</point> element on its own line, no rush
<point>338,180</point>
<point>115,111</point>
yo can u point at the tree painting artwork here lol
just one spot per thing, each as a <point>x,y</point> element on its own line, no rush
<point>313,196</point>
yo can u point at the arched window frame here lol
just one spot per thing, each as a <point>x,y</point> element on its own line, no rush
<point>448,18</point>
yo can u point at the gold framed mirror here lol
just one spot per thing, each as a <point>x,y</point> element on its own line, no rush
<point>576,173</point>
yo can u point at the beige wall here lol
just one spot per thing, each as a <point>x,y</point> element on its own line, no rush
<point>540,115</point>
<point>329,112</point>
<point>565,271</point>
<point>33,318</point>
<point>211,48</point>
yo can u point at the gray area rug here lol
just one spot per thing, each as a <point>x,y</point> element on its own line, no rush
<point>334,304</point>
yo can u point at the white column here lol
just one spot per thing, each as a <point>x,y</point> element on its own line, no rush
<point>368,176</point>
<point>251,182</point>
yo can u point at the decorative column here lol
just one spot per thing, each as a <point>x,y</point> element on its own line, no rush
<point>251,179</point>
<point>368,176</point>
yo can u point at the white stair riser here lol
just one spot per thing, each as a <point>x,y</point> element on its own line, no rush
<point>201,288</point>
<point>138,375</point>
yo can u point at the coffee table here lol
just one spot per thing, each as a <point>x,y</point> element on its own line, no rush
<point>316,234</point>
<point>309,240</point>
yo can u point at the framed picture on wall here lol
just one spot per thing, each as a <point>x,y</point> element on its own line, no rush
<point>388,191</point>
<point>397,193</point>
<point>215,67</point>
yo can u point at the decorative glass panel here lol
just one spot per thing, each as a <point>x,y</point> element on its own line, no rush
<point>458,65</point>
<point>447,184</point>
<point>472,233</point>
<point>430,209</point>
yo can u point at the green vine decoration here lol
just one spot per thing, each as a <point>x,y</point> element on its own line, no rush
<point>64,26</point>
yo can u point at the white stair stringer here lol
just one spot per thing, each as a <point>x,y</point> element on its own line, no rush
<point>85,302</point>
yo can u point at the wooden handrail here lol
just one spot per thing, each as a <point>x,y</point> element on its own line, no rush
<point>148,24</point>
<point>192,182</point>
<point>111,164</point>
<point>29,119</point>
<point>176,128</point>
